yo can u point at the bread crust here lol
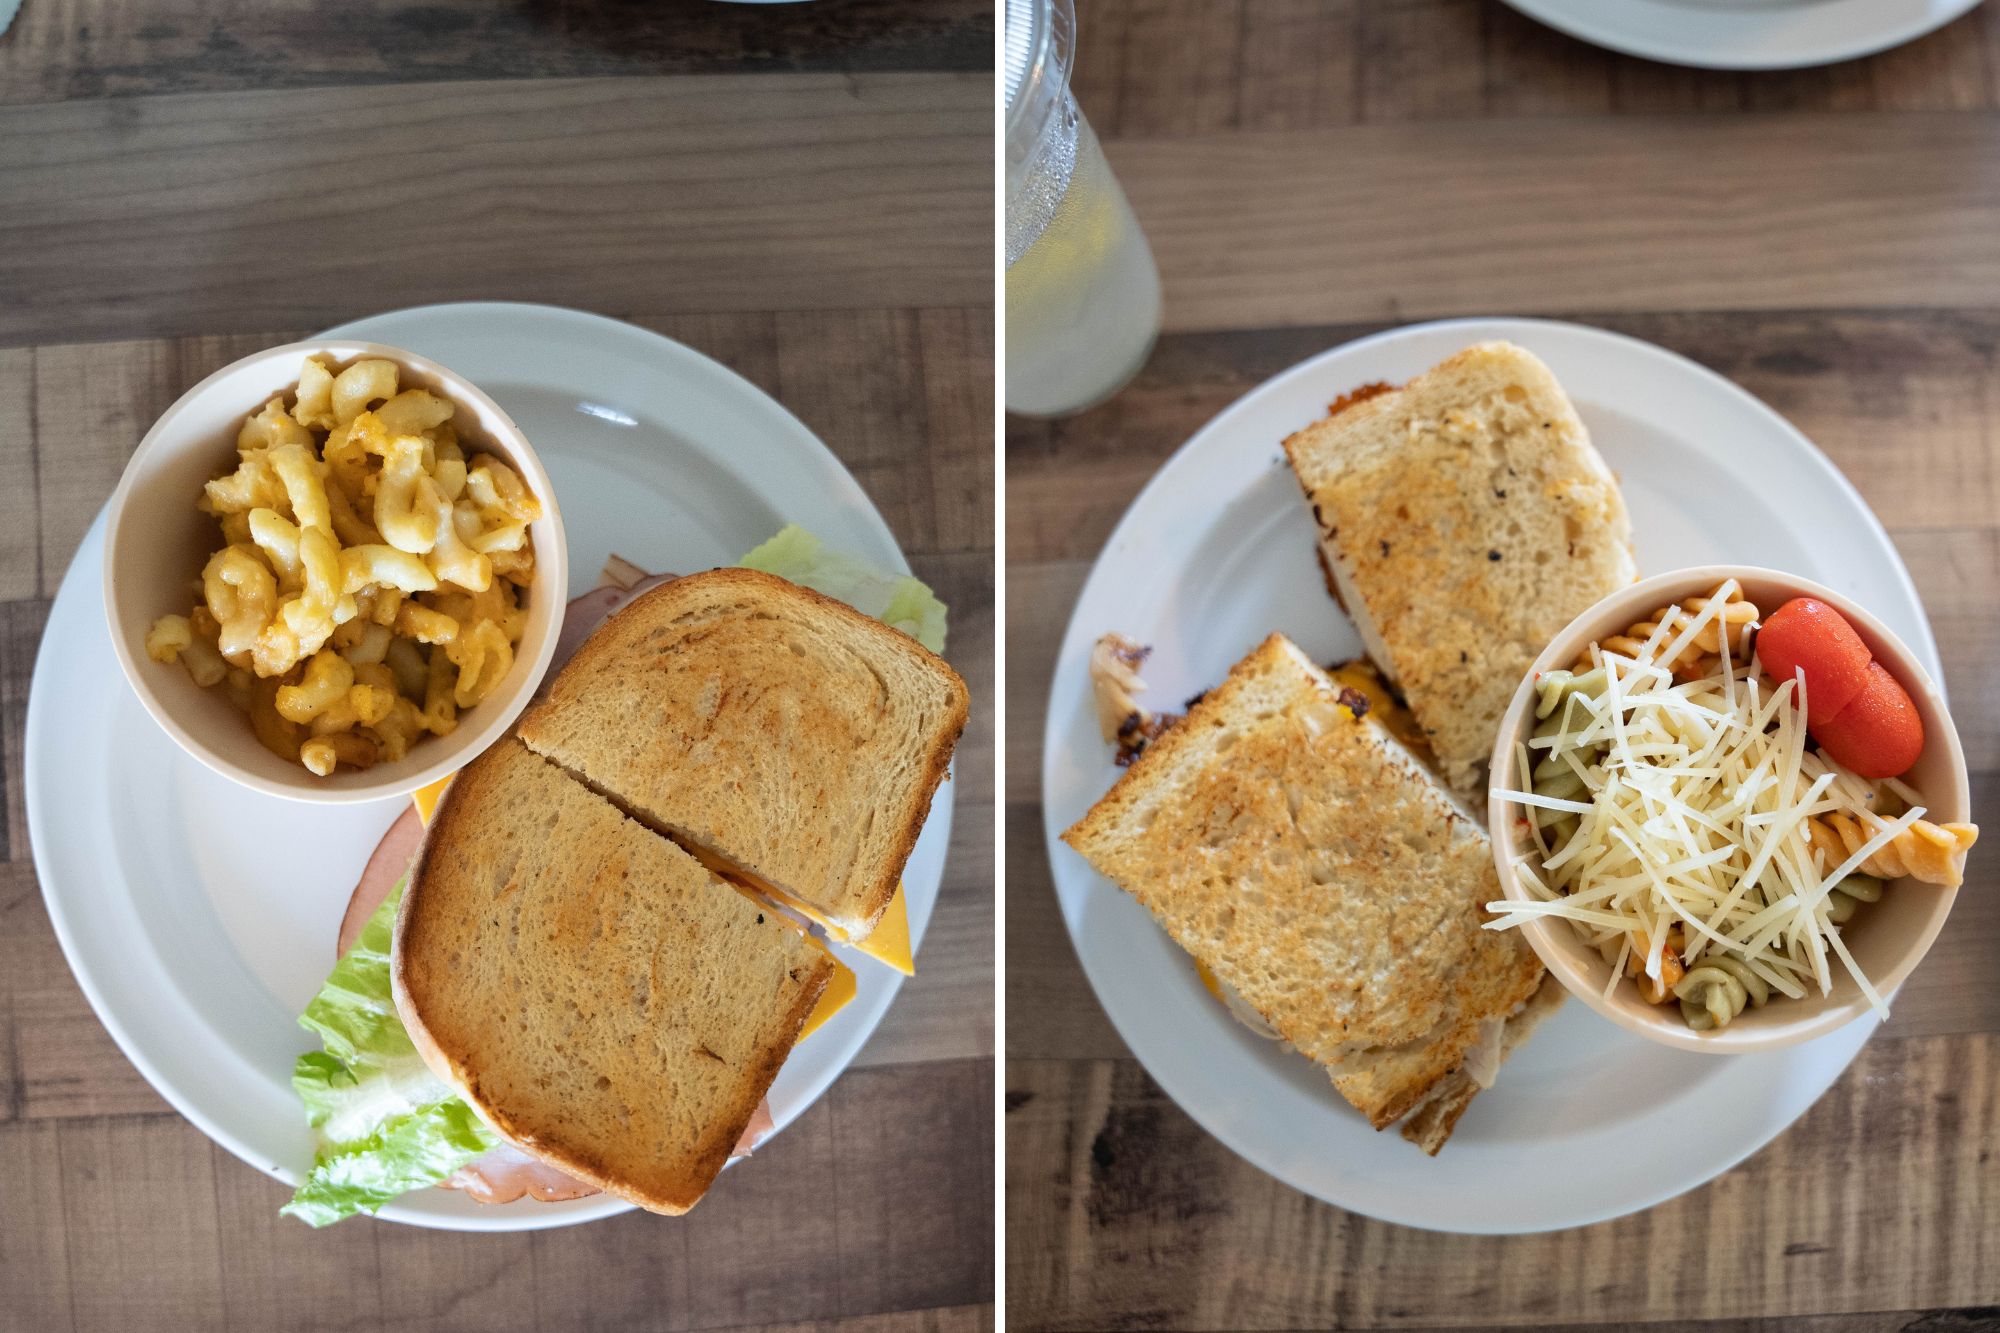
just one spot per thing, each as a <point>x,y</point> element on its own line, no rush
<point>422,938</point>
<point>676,799</point>
<point>1464,519</point>
<point>1309,861</point>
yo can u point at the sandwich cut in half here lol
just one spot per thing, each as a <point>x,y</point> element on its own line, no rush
<point>785,738</point>
<point>596,995</point>
<point>1464,520</point>
<point>1314,866</point>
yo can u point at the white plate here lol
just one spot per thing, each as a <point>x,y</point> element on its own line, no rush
<point>1588,1121</point>
<point>1746,34</point>
<point>199,917</point>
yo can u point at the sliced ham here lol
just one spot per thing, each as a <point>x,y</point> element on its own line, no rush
<point>507,1173</point>
<point>389,863</point>
<point>760,1125</point>
<point>584,614</point>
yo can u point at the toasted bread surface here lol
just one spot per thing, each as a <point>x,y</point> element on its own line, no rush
<point>1306,858</point>
<point>781,732</point>
<point>596,995</point>
<point>1430,1124</point>
<point>1466,518</point>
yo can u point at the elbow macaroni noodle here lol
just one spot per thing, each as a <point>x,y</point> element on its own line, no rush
<point>370,578</point>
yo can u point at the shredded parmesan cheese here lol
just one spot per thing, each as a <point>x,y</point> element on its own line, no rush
<point>1693,813</point>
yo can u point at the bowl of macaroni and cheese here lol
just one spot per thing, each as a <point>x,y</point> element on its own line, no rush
<point>334,571</point>
<point>1729,810</point>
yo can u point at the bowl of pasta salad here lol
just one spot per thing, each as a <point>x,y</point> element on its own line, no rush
<point>334,571</point>
<point>1729,810</point>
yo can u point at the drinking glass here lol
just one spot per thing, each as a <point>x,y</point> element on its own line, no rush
<point>1083,296</point>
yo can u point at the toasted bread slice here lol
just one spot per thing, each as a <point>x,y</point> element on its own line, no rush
<point>590,989</point>
<point>1305,857</point>
<point>1431,1123</point>
<point>787,738</point>
<point>1465,519</point>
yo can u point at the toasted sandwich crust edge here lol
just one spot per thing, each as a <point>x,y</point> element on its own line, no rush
<point>1431,697</point>
<point>454,1074</point>
<point>1099,822</point>
<point>909,822</point>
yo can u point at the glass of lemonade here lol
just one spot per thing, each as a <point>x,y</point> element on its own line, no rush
<point>1083,296</point>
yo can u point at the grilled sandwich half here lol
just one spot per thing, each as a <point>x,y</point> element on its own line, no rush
<point>1464,519</point>
<point>1319,871</point>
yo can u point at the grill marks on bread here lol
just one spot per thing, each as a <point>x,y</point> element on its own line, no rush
<point>594,992</point>
<point>786,733</point>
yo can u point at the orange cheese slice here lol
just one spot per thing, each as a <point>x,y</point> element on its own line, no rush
<point>426,799</point>
<point>839,990</point>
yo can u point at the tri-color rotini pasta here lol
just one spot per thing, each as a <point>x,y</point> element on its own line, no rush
<point>1689,816</point>
<point>1734,624</point>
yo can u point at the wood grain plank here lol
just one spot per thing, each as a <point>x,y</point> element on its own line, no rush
<point>1103,30</point>
<point>1849,86</point>
<point>159,216</point>
<point>281,1274</point>
<point>1648,213</point>
<point>1947,70</point>
<point>744,340</point>
<point>1642,87</point>
<point>34,1244</point>
<point>938,1319</point>
<point>1180,67</point>
<point>1956,573</point>
<point>20,520</point>
<point>1921,389</point>
<point>1298,65</point>
<point>94,402</point>
<point>855,377</point>
<point>1052,1012</point>
<point>461,1281</point>
<point>958,373</point>
<point>1401,60</point>
<point>1040,597</point>
<point>127,1269</point>
<point>1145,1219</point>
<point>946,1010</point>
<point>20,634</point>
<point>1533,70</point>
<point>737,1274</point>
<point>63,1063</point>
<point>900,1135</point>
<point>1422,60</point>
<point>105,48</point>
<point>885,1170</point>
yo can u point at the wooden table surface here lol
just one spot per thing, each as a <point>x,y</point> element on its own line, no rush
<point>1310,172</point>
<point>803,192</point>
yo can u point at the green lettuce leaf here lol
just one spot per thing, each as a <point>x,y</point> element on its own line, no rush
<point>899,600</point>
<point>387,1125</point>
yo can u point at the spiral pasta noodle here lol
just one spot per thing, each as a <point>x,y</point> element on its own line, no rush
<point>1844,899</point>
<point>1734,624</point>
<point>1716,989</point>
<point>1932,853</point>
<point>1553,775</point>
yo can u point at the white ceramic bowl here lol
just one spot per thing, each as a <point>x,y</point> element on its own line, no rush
<point>1888,938</point>
<point>157,543</point>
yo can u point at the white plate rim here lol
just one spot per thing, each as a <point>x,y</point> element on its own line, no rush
<point>1714,33</point>
<point>923,873</point>
<point>1073,880</point>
